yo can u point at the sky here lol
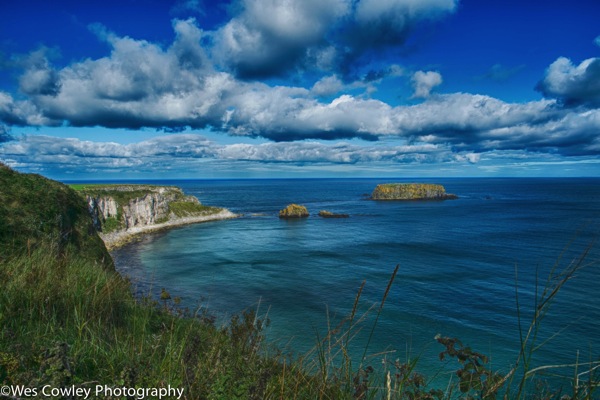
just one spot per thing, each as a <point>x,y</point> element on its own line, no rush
<point>156,89</point>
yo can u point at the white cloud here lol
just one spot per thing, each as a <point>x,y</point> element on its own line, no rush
<point>276,37</point>
<point>183,150</point>
<point>574,85</point>
<point>424,82</point>
<point>270,37</point>
<point>327,86</point>
<point>21,113</point>
<point>141,84</point>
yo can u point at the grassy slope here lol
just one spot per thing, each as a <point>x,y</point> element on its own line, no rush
<point>36,211</point>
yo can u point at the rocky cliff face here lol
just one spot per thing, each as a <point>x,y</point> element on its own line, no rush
<point>130,206</point>
<point>101,208</point>
<point>120,212</point>
<point>411,191</point>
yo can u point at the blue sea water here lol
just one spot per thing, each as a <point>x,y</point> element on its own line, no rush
<point>460,263</point>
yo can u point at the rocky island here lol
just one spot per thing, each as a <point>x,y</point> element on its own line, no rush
<point>411,191</point>
<point>120,212</point>
<point>293,211</point>
<point>329,214</point>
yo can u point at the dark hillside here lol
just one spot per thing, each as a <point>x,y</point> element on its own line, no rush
<point>36,210</point>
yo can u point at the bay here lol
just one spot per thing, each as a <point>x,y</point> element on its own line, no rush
<point>460,262</point>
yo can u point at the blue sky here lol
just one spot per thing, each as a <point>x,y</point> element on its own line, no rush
<point>291,88</point>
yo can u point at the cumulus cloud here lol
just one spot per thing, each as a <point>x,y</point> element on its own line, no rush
<point>573,84</point>
<point>424,82</point>
<point>270,37</point>
<point>39,77</point>
<point>463,117</point>
<point>275,37</point>
<point>21,113</point>
<point>573,134</point>
<point>139,84</point>
<point>479,123</point>
<point>276,115</point>
<point>327,86</point>
<point>142,84</point>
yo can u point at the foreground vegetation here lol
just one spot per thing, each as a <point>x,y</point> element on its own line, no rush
<point>67,318</point>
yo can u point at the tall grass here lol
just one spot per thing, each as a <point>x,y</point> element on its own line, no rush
<point>530,335</point>
<point>65,321</point>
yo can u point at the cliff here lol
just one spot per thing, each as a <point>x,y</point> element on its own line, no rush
<point>120,212</point>
<point>411,191</point>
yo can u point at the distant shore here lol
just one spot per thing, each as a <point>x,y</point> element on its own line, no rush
<point>120,238</point>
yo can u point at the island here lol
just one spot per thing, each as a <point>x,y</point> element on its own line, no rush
<point>293,211</point>
<point>122,212</point>
<point>411,191</point>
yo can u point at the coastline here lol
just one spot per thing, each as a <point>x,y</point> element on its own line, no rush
<point>118,239</point>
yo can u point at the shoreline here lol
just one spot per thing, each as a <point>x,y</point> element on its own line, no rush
<point>118,239</point>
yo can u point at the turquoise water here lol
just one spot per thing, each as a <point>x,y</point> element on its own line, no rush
<point>457,263</point>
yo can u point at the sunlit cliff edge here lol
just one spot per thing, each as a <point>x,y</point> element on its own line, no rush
<point>122,212</point>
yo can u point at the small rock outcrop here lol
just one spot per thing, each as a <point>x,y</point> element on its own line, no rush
<point>294,211</point>
<point>329,214</point>
<point>411,191</point>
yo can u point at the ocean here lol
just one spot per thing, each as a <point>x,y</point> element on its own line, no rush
<point>462,265</point>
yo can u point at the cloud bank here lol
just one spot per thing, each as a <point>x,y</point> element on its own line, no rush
<point>180,151</point>
<point>210,80</point>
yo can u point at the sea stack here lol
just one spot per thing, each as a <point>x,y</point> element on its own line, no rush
<point>293,211</point>
<point>411,191</point>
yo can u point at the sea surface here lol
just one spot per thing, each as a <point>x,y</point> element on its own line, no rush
<point>463,265</point>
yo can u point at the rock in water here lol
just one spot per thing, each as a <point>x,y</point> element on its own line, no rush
<point>329,214</point>
<point>294,211</point>
<point>411,191</point>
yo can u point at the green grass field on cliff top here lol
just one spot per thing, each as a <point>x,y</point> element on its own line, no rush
<point>106,186</point>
